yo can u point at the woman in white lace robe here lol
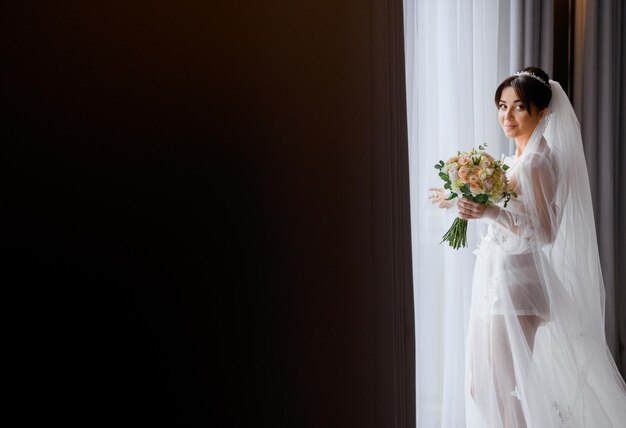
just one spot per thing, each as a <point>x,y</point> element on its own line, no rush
<point>536,349</point>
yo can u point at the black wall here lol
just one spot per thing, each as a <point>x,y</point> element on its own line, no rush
<point>188,199</point>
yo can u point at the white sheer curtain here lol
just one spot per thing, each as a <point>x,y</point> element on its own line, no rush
<point>452,67</point>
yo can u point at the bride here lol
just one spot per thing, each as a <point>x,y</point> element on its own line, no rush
<point>536,349</point>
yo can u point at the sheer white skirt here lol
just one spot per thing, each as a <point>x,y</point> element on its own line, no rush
<point>523,368</point>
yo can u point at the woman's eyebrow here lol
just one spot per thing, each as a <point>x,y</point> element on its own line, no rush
<point>514,101</point>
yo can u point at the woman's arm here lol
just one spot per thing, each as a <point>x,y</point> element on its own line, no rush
<point>533,215</point>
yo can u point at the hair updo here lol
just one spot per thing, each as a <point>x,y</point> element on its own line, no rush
<point>530,90</point>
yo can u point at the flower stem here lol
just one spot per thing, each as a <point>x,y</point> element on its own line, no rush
<point>456,236</point>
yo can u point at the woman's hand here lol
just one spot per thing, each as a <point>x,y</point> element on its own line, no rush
<point>470,210</point>
<point>438,197</point>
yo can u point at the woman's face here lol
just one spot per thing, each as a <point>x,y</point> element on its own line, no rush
<point>516,121</point>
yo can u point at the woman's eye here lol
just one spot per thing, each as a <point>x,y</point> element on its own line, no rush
<point>502,106</point>
<point>519,107</point>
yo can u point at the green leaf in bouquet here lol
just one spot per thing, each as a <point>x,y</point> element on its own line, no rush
<point>444,176</point>
<point>452,196</point>
<point>505,166</point>
<point>466,191</point>
<point>447,185</point>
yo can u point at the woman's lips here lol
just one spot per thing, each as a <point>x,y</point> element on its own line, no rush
<point>509,127</point>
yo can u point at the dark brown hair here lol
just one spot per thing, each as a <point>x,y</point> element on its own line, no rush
<point>528,89</point>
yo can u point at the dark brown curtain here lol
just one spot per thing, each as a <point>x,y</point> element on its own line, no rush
<point>208,213</point>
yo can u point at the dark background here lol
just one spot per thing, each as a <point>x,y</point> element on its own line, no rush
<point>187,197</point>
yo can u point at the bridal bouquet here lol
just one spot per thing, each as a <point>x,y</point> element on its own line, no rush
<point>477,176</point>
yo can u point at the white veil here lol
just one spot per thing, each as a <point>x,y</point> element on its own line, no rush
<point>567,376</point>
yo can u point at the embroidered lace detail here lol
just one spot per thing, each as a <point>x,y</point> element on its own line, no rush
<point>491,289</point>
<point>500,231</point>
<point>565,415</point>
<point>515,393</point>
<point>482,241</point>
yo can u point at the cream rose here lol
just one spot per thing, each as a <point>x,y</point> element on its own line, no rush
<point>485,163</point>
<point>464,171</point>
<point>488,183</point>
<point>464,159</point>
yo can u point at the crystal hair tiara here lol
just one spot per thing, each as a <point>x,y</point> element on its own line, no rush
<point>533,75</point>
